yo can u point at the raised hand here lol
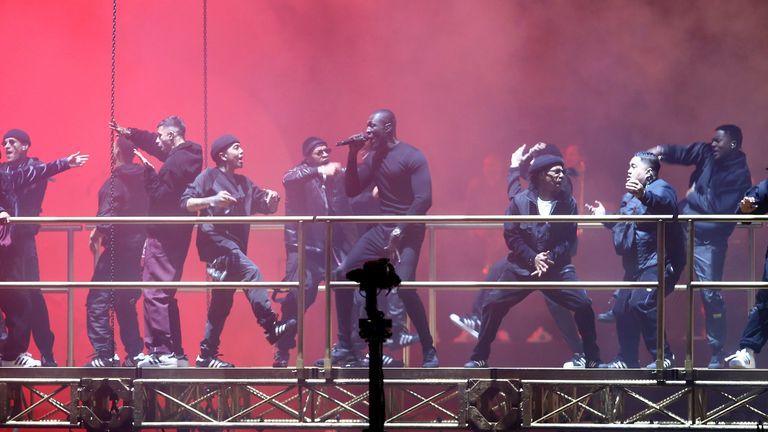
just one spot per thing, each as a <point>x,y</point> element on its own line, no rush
<point>77,160</point>
<point>598,209</point>
<point>748,204</point>
<point>119,129</point>
<point>143,159</point>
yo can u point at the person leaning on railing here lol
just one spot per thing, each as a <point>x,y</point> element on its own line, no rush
<point>755,333</point>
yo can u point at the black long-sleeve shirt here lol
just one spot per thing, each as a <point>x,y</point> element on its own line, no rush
<point>402,176</point>
<point>719,184</point>
<point>215,240</point>
<point>180,167</point>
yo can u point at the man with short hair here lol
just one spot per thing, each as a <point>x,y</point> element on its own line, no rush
<point>165,249</point>
<point>401,174</point>
<point>718,182</point>
<point>636,243</point>
<point>539,251</point>
<point>15,302</point>
<point>221,191</point>
<point>30,202</point>
<point>122,194</point>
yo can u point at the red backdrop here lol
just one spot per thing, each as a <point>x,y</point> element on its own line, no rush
<point>469,81</point>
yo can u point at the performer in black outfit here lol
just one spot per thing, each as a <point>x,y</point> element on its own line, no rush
<point>401,174</point>
<point>755,333</point>
<point>166,247</point>
<point>122,194</point>
<point>539,252</point>
<point>221,192</point>
<point>17,143</point>
<point>313,187</point>
<point>471,323</point>
<point>15,302</point>
<point>635,309</point>
<point>716,185</point>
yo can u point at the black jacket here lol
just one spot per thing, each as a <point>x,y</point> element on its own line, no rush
<point>30,198</point>
<point>123,194</point>
<point>527,239</point>
<point>307,193</point>
<point>720,185</point>
<point>216,240</point>
<point>13,182</point>
<point>165,187</point>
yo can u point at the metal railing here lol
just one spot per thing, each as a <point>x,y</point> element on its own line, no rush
<point>73,224</point>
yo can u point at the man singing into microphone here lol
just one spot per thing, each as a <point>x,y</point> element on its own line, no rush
<point>401,174</point>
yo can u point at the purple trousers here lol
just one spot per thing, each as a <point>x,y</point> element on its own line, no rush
<point>162,325</point>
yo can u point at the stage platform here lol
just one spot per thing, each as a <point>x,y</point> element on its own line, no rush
<point>417,399</point>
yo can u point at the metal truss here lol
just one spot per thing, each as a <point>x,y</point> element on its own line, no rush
<point>417,399</point>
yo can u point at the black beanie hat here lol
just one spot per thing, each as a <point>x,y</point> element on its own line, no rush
<point>221,144</point>
<point>310,144</point>
<point>19,134</point>
<point>544,161</point>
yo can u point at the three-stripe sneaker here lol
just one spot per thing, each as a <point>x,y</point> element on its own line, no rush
<point>386,361</point>
<point>578,361</point>
<point>22,360</point>
<point>742,359</point>
<point>212,362</point>
<point>401,340</point>
<point>162,361</point>
<point>615,364</point>
<point>476,364</point>
<point>103,362</point>
<point>668,362</point>
<point>280,329</point>
<point>470,324</point>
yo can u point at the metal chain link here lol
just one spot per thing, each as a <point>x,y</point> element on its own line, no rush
<point>112,163</point>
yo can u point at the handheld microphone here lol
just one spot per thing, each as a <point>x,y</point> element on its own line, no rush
<point>353,139</point>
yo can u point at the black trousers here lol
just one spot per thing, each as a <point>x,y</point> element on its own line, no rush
<point>756,331</point>
<point>371,247</point>
<point>25,248</point>
<point>15,304</point>
<point>239,268</point>
<point>125,265</point>
<point>636,313</point>
<point>499,302</point>
<point>563,317</point>
<point>314,265</point>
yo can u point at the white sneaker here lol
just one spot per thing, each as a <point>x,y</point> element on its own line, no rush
<point>22,360</point>
<point>156,360</point>
<point>741,359</point>
<point>578,361</point>
<point>469,324</point>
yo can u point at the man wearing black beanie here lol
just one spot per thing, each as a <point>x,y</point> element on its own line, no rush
<point>224,247</point>
<point>166,246</point>
<point>30,201</point>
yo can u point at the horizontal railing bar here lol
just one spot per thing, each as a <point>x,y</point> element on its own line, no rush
<point>379,218</point>
<point>730,284</point>
<point>138,284</point>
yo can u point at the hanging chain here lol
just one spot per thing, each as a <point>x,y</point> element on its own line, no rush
<point>112,163</point>
<point>205,109</point>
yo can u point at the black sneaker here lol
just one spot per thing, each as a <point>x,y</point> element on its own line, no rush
<point>339,357</point>
<point>401,340</point>
<point>592,364</point>
<point>212,362</point>
<point>280,329</point>
<point>607,316</point>
<point>476,364</point>
<point>615,364</point>
<point>430,359</point>
<point>386,360</point>
<point>280,359</point>
<point>103,362</point>
<point>716,362</point>
<point>48,361</point>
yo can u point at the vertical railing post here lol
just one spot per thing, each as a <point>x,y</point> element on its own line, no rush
<point>752,268</point>
<point>660,294</point>
<point>301,296</point>
<point>689,292</point>
<point>328,291</point>
<point>70,298</point>
<point>432,277</point>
